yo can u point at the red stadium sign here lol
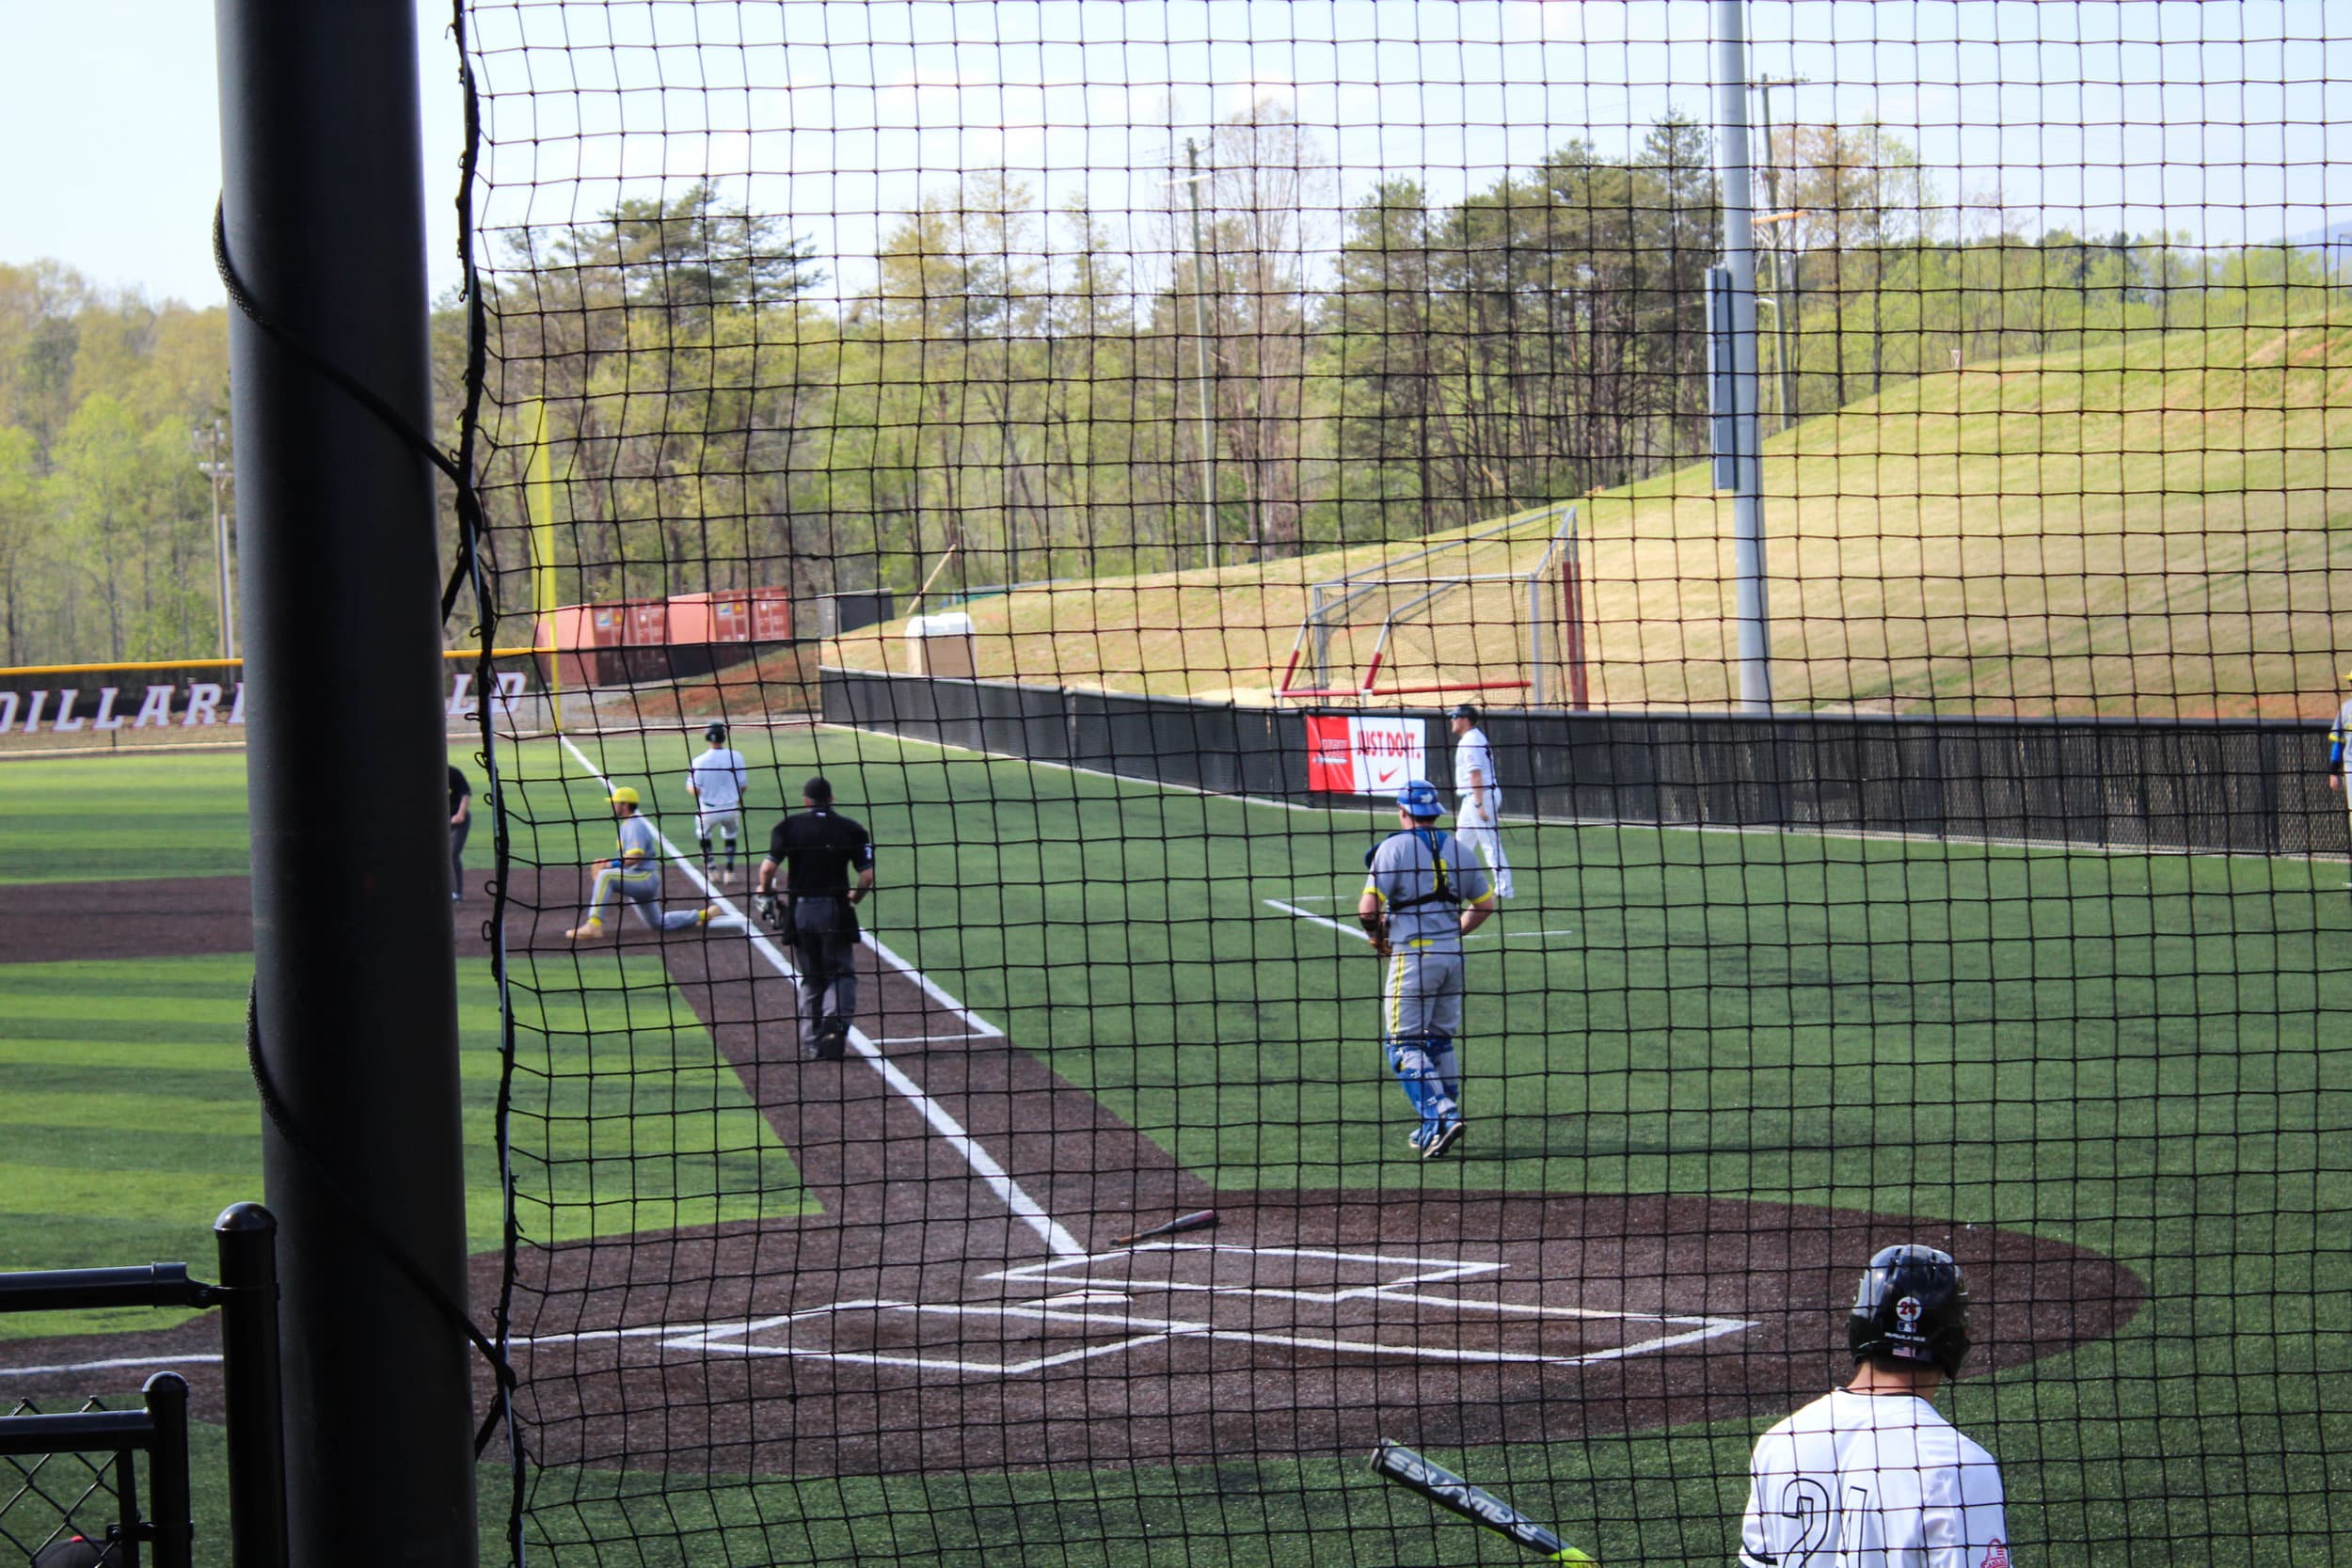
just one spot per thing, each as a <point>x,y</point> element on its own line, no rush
<point>1350,755</point>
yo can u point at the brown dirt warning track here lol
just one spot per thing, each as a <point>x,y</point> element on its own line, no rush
<point>957,1303</point>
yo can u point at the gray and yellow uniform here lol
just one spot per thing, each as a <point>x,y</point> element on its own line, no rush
<point>634,875</point>
<point>1420,881</point>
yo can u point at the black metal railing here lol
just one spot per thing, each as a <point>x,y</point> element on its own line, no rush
<point>246,1294</point>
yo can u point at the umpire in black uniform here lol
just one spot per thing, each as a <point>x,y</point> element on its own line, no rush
<point>815,909</point>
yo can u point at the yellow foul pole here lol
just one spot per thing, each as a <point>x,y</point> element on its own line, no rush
<point>539,496</point>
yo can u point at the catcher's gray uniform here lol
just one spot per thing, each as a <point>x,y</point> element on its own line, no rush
<point>1422,879</point>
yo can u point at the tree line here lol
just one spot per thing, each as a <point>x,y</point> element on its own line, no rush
<point>1023,393</point>
<point>107,545</point>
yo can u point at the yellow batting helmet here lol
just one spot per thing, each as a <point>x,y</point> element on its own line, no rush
<point>624,796</point>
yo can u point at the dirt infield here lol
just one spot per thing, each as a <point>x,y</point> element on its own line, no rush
<point>919,1324</point>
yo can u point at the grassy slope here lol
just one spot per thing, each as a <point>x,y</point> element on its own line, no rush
<point>2142,529</point>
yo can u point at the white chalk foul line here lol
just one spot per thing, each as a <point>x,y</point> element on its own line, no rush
<point>1356,931</point>
<point>113,1365</point>
<point>1058,1240</point>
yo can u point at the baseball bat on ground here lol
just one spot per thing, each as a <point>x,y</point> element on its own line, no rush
<point>1200,1219</point>
<point>1394,1462</point>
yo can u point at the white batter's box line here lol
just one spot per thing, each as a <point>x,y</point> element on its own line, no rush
<point>1420,1271</point>
<point>1108,1305</point>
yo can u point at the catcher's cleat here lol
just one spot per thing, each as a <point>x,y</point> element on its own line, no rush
<point>1447,1137</point>
<point>582,933</point>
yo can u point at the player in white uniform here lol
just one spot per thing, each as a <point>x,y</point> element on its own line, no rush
<point>2340,751</point>
<point>634,874</point>
<point>1480,809</point>
<point>715,779</point>
<point>1871,1476</point>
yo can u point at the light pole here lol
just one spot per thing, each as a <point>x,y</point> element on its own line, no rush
<point>212,466</point>
<point>1201,355</point>
<point>1752,623</point>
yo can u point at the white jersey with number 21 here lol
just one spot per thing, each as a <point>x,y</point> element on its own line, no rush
<point>1873,1480</point>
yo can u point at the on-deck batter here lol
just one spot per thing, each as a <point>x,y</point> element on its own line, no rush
<point>1871,1476</point>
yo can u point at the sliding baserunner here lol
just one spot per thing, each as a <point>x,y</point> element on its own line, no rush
<point>634,874</point>
<point>1422,898</point>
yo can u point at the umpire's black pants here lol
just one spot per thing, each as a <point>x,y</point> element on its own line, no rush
<point>824,949</point>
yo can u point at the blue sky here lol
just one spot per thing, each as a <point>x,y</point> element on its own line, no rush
<point>2229,120</point>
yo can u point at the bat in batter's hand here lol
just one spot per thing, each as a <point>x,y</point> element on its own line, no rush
<point>1200,1219</point>
<point>1394,1462</point>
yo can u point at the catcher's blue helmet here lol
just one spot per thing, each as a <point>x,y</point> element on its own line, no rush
<point>1420,798</point>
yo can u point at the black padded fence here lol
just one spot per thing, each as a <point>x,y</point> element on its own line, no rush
<point>2237,787</point>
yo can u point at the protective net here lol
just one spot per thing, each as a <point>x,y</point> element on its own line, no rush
<point>1872,469</point>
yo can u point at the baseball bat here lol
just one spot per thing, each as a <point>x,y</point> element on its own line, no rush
<point>1200,1219</point>
<point>1394,1462</point>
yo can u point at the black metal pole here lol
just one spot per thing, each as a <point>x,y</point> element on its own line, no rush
<point>323,203</point>
<point>167,1516</point>
<point>248,1238</point>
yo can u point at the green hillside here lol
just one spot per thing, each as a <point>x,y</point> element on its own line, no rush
<point>2151,528</point>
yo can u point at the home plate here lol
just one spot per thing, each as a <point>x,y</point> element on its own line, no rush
<point>1086,1298</point>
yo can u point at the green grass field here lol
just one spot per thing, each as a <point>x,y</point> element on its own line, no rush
<point>2143,1055</point>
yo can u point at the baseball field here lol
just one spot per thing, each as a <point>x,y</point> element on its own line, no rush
<point>770,1310</point>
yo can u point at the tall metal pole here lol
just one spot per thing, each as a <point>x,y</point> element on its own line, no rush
<point>1737,197</point>
<point>323,202</point>
<point>215,471</point>
<point>1200,359</point>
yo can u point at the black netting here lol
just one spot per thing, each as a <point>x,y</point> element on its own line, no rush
<point>1877,484</point>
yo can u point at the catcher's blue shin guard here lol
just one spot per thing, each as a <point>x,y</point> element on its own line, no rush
<point>1449,1065</point>
<point>1410,1059</point>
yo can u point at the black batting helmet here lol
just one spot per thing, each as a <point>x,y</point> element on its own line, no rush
<point>716,734</point>
<point>1912,1307</point>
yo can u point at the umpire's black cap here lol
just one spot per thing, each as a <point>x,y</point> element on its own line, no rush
<point>816,791</point>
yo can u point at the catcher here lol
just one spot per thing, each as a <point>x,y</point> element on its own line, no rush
<point>1422,898</point>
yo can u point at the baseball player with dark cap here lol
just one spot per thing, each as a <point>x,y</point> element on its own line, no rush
<point>1870,1475</point>
<point>815,909</point>
<point>716,780</point>
<point>1477,813</point>
<point>460,824</point>
<point>1422,896</point>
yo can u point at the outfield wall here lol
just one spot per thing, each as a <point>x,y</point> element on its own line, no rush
<point>2242,785</point>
